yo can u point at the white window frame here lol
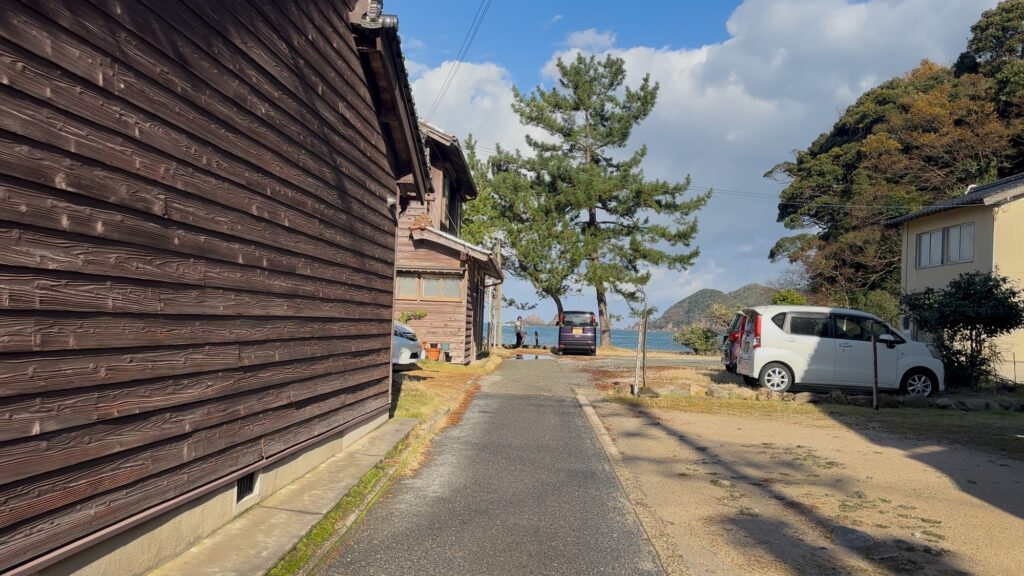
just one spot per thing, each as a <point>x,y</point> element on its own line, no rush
<point>945,254</point>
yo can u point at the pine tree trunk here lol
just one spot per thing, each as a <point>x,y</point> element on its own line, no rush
<point>602,311</point>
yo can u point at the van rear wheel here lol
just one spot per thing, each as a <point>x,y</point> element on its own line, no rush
<point>777,377</point>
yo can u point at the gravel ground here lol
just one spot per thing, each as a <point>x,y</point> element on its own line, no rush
<point>521,486</point>
<point>801,495</point>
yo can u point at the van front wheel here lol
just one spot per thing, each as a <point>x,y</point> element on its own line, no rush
<point>777,377</point>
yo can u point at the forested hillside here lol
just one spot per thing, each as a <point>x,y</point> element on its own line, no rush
<point>908,143</point>
<point>694,307</point>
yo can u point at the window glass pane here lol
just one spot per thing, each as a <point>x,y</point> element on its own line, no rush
<point>936,248</point>
<point>809,325</point>
<point>451,287</point>
<point>576,319</point>
<point>431,286</point>
<point>407,286</point>
<point>851,328</point>
<point>967,243</point>
<point>923,250</point>
<point>779,319</point>
<point>953,244</point>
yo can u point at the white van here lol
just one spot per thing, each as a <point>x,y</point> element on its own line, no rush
<point>787,345</point>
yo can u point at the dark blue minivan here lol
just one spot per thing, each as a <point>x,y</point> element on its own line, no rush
<point>577,332</point>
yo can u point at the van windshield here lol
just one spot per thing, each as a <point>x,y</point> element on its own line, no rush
<point>577,319</point>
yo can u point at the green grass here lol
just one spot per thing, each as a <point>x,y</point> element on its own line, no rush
<point>322,533</point>
<point>991,430</point>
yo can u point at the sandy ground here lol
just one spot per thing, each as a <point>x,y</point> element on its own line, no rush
<point>756,494</point>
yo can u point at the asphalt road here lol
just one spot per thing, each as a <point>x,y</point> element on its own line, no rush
<point>520,487</point>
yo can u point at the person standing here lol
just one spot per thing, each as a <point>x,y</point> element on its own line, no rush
<point>520,333</point>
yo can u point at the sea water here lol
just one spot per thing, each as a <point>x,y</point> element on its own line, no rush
<point>548,336</point>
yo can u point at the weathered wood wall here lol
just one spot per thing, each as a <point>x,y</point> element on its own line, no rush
<point>196,253</point>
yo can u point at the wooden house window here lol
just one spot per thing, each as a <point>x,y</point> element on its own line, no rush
<point>438,287</point>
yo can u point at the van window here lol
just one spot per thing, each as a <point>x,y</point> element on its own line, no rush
<point>808,324</point>
<point>577,319</point>
<point>779,319</point>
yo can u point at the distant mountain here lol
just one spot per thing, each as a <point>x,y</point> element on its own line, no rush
<point>534,320</point>
<point>693,307</point>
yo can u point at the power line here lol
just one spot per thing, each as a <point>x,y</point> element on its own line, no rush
<point>467,43</point>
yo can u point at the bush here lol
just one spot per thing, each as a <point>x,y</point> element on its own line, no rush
<point>964,318</point>
<point>407,316</point>
<point>701,339</point>
<point>789,296</point>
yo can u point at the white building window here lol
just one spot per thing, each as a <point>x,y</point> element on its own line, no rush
<point>952,245</point>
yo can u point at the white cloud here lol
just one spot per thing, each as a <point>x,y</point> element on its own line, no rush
<point>727,112</point>
<point>591,39</point>
<point>413,43</point>
<point>478,101</point>
<point>553,20</point>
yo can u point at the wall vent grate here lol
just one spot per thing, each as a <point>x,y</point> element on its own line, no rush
<point>245,486</point>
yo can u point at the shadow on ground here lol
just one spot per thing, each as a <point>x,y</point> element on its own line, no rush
<point>778,537</point>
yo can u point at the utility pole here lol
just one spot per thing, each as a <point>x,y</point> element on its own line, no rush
<point>640,374</point>
<point>496,303</point>
<point>874,363</point>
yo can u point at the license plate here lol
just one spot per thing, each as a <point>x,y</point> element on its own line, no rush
<point>577,330</point>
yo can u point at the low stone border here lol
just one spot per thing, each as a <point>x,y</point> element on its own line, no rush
<point>737,392</point>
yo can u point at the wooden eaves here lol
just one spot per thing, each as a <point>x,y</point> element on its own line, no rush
<point>380,52</point>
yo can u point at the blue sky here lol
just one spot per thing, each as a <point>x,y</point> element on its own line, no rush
<point>743,85</point>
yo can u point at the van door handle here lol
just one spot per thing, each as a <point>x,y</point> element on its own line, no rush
<point>846,345</point>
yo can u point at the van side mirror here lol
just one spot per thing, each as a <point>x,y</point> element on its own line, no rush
<point>888,340</point>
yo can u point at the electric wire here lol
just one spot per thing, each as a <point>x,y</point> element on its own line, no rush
<point>467,43</point>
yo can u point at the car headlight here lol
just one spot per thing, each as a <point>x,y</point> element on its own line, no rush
<point>934,351</point>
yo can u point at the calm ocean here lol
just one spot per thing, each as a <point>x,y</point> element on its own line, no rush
<point>548,336</point>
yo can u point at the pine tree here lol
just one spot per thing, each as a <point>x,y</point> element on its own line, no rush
<point>625,222</point>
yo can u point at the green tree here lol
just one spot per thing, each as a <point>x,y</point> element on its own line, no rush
<point>996,40</point>
<point>789,296</point>
<point>589,117</point>
<point>963,319</point>
<point>910,142</point>
<point>701,339</point>
<point>481,222</point>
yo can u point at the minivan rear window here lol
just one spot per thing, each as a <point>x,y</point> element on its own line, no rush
<point>576,319</point>
<point>808,325</point>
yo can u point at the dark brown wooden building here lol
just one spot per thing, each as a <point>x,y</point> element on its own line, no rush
<point>197,239</point>
<point>437,272</point>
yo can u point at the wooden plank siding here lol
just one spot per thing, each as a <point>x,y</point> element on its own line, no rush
<point>196,251</point>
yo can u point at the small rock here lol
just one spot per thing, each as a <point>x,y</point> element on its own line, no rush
<point>943,403</point>
<point>765,394</point>
<point>806,398</point>
<point>648,392</point>
<point>788,396</point>
<point>851,538</point>
<point>745,394</point>
<point>974,405</point>
<point>864,401</point>
<point>836,397</point>
<point>915,401</point>
<point>885,555</point>
<point>719,392</point>
<point>722,483</point>
<point>887,401</point>
<point>747,511</point>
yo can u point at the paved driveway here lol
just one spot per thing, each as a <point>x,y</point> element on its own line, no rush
<point>520,487</point>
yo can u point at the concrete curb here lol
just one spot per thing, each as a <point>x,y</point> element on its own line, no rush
<point>254,542</point>
<point>670,560</point>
